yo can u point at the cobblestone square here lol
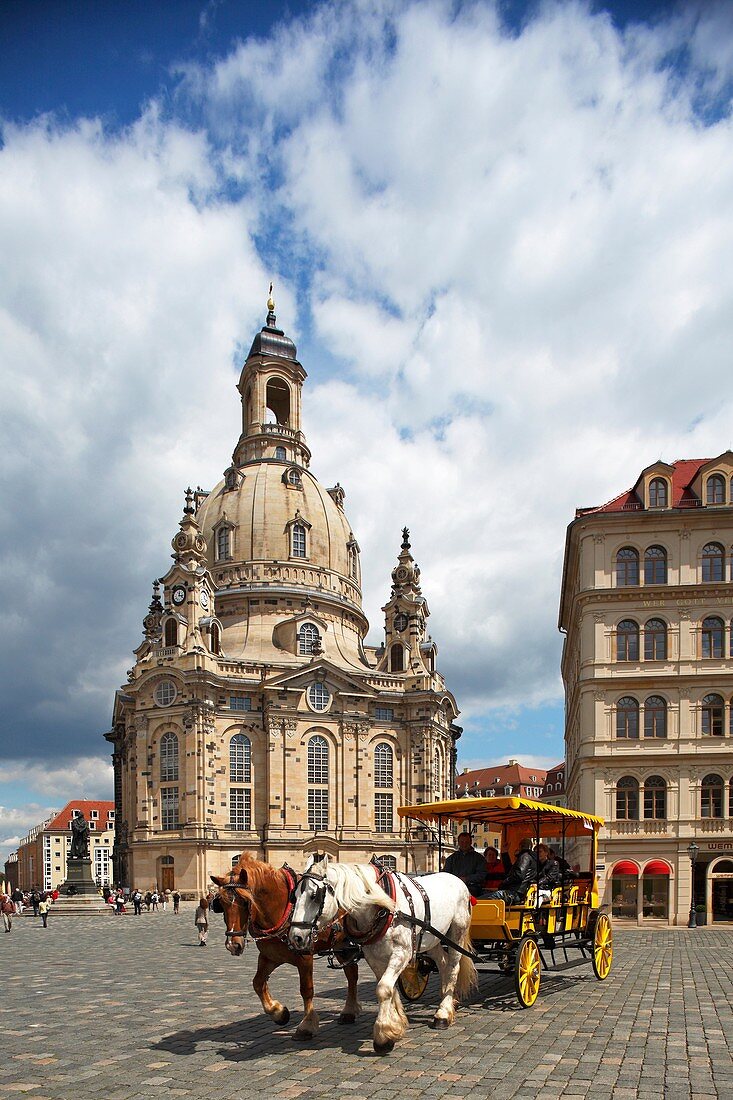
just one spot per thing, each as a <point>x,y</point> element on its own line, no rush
<point>128,1007</point>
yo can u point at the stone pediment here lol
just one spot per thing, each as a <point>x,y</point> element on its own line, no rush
<point>345,683</point>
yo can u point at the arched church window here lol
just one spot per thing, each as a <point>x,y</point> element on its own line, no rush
<point>168,758</point>
<point>240,759</point>
<point>215,639</point>
<point>297,538</point>
<point>396,658</point>
<point>171,632</point>
<point>318,783</point>
<point>308,637</point>
<point>383,765</point>
<point>278,400</point>
<point>223,544</point>
<point>280,454</point>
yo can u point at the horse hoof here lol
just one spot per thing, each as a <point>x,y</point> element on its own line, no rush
<point>283,1017</point>
<point>347,1018</point>
<point>438,1023</point>
<point>302,1036</point>
<point>384,1048</point>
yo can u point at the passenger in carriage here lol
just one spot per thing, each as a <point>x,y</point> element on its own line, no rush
<point>549,874</point>
<point>467,864</point>
<point>495,870</point>
<point>567,871</point>
<point>520,878</point>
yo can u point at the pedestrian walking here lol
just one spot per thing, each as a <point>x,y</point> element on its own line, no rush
<point>154,900</point>
<point>17,899</point>
<point>8,912</point>
<point>148,900</point>
<point>137,901</point>
<point>201,920</point>
<point>176,901</point>
<point>163,900</point>
<point>35,901</point>
<point>43,907</point>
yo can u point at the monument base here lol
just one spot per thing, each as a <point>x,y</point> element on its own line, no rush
<point>79,893</point>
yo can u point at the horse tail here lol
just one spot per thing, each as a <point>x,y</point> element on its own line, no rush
<point>467,977</point>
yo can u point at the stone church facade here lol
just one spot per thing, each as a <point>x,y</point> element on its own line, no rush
<point>255,717</point>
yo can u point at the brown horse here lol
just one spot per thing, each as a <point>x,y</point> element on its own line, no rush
<point>257,897</point>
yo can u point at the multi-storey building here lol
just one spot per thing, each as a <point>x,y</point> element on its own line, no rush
<point>646,606</point>
<point>255,717</point>
<point>495,781</point>
<point>42,854</point>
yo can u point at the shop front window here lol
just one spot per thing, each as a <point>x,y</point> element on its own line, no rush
<point>624,884</point>
<point>722,892</point>
<point>655,891</point>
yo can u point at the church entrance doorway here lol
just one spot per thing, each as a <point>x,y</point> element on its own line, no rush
<point>166,878</point>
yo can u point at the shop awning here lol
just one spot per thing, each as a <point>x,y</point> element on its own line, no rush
<point>626,867</point>
<point>656,867</point>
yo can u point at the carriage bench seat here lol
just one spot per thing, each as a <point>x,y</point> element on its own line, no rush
<point>488,920</point>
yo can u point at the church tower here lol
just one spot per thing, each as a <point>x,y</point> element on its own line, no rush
<point>256,717</point>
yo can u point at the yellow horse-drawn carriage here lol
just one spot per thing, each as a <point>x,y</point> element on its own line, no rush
<point>525,938</point>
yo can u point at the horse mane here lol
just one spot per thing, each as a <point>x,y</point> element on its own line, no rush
<point>355,887</point>
<point>260,876</point>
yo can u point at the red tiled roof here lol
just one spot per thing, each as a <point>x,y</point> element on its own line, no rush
<point>500,775</point>
<point>60,823</point>
<point>684,472</point>
<point>553,777</point>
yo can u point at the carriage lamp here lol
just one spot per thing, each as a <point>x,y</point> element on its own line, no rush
<point>692,850</point>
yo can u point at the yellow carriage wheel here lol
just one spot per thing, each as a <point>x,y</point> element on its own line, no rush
<point>527,969</point>
<point>412,981</point>
<point>602,948</point>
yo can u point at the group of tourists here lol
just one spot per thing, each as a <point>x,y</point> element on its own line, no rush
<point>13,904</point>
<point>153,900</point>
<point>493,876</point>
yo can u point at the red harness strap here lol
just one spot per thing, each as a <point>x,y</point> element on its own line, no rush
<point>272,933</point>
<point>384,918</point>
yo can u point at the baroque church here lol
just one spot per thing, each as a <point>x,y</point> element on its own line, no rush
<point>255,717</point>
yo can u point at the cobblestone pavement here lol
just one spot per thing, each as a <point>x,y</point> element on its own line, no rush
<point>126,1007</point>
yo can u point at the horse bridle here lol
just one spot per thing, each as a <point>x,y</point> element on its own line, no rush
<point>323,888</point>
<point>271,933</point>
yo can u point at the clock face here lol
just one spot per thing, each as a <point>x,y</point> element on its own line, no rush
<point>400,622</point>
<point>401,574</point>
<point>179,594</point>
<point>204,598</point>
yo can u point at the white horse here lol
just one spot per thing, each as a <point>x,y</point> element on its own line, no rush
<point>328,890</point>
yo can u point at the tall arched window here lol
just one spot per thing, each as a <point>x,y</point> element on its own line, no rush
<point>655,640</point>
<point>223,541</point>
<point>240,759</point>
<point>396,658</point>
<point>240,771</point>
<point>383,777</point>
<point>437,773</point>
<point>655,797</point>
<point>711,796</point>
<point>383,766</point>
<point>713,636</point>
<point>308,637</point>
<point>627,567</point>
<point>655,717</point>
<point>655,565</point>
<point>627,718</point>
<point>713,710</point>
<point>318,783</point>
<point>627,640</point>
<point>657,493</point>
<point>715,489</point>
<point>280,454</point>
<point>215,639</point>
<point>297,540</point>
<point>168,758</point>
<point>713,562</point>
<point>171,632</point>
<point>627,799</point>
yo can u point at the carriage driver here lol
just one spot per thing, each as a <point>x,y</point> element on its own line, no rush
<point>467,864</point>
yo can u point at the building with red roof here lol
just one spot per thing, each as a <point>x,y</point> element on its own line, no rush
<point>496,781</point>
<point>647,611</point>
<point>42,854</point>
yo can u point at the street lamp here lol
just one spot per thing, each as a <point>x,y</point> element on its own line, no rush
<point>692,850</point>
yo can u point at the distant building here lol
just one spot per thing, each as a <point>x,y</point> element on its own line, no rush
<point>11,871</point>
<point>553,791</point>
<point>646,606</point>
<point>495,781</point>
<point>42,854</point>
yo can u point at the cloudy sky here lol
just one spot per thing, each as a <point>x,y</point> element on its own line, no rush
<point>500,234</point>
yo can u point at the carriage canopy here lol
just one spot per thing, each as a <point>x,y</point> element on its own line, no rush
<point>533,818</point>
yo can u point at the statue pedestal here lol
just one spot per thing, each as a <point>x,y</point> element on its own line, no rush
<point>79,894</point>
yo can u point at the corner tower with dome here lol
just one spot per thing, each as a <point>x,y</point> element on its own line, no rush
<point>255,717</point>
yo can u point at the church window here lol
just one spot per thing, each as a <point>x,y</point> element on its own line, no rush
<point>396,658</point>
<point>308,637</point>
<point>383,765</point>
<point>655,717</point>
<point>384,714</point>
<point>400,622</point>
<point>240,808</point>
<point>713,634</point>
<point>171,633</point>
<point>353,564</point>
<point>383,812</point>
<point>715,490</point>
<point>215,639</point>
<point>713,713</point>
<point>318,783</point>
<point>388,862</point>
<point>655,565</point>
<point>280,454</point>
<point>317,808</point>
<point>277,400</point>
<point>437,773</point>
<point>627,640</point>
<point>165,693</point>
<point>655,640</point>
<point>294,478</point>
<point>658,493</point>
<point>319,696</point>
<point>169,808</point>
<point>627,799</point>
<point>223,540</point>
<point>240,759</point>
<point>713,557</point>
<point>297,536</point>
<point>168,758</point>
<point>627,718</point>
<point>240,702</point>
<point>627,567</point>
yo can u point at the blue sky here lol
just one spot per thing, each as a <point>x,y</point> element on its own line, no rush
<point>499,234</point>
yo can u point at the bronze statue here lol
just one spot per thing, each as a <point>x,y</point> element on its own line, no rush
<point>79,838</point>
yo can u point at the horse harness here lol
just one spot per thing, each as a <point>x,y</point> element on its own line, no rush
<point>279,930</point>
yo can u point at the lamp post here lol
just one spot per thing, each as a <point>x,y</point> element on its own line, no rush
<point>692,850</point>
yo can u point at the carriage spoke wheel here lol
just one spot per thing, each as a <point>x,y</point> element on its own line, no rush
<point>527,968</point>
<point>602,948</point>
<point>412,981</point>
